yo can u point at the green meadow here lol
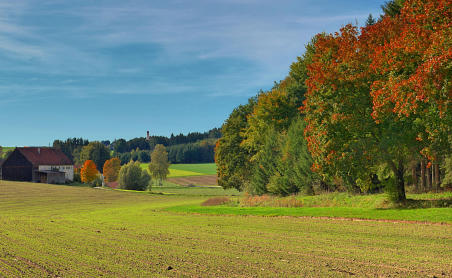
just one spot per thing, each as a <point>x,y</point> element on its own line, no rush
<point>189,170</point>
<point>69,231</point>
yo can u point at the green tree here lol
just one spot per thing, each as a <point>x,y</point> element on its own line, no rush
<point>447,168</point>
<point>159,166</point>
<point>132,177</point>
<point>232,159</point>
<point>120,146</point>
<point>370,20</point>
<point>294,163</point>
<point>97,152</point>
<point>392,8</point>
<point>265,164</point>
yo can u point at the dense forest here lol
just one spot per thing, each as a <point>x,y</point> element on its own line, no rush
<point>194,147</point>
<point>364,110</point>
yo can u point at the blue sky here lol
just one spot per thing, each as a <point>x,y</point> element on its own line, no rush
<point>109,69</point>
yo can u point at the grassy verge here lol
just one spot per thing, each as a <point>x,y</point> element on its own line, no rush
<point>435,215</point>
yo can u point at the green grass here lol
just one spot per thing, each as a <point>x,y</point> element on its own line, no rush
<point>6,149</point>
<point>64,231</point>
<point>188,170</point>
<point>196,191</point>
<point>202,168</point>
<point>437,215</point>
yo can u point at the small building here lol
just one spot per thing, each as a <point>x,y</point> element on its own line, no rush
<point>37,164</point>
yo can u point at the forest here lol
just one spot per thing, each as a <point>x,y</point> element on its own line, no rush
<point>195,147</point>
<point>365,109</point>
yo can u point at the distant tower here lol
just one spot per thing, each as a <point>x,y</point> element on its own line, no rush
<point>148,137</point>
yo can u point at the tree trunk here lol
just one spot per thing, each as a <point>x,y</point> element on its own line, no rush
<point>414,175</point>
<point>423,178</point>
<point>429,177</point>
<point>399,170</point>
<point>437,180</point>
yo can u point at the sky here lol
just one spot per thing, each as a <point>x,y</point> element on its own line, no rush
<point>109,69</point>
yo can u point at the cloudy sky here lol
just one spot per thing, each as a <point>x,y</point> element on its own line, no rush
<point>109,69</point>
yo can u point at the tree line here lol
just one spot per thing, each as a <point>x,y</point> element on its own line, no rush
<point>129,176</point>
<point>364,110</point>
<point>195,147</point>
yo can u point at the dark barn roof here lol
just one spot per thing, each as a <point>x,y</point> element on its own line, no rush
<point>44,156</point>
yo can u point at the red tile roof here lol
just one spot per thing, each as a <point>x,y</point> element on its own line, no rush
<point>45,156</point>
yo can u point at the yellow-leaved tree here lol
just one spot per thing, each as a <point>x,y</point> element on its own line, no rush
<point>111,169</point>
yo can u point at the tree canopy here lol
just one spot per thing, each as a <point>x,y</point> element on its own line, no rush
<point>159,166</point>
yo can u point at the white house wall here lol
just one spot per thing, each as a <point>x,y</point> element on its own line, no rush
<point>67,169</point>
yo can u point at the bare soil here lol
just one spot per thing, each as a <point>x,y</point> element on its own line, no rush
<point>195,180</point>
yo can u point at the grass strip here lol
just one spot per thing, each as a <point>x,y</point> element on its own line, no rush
<point>433,215</point>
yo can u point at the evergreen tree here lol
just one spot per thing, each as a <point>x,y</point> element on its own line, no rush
<point>294,164</point>
<point>266,164</point>
<point>392,8</point>
<point>370,20</point>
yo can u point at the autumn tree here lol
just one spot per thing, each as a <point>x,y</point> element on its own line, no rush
<point>342,135</point>
<point>111,169</point>
<point>411,63</point>
<point>380,96</point>
<point>89,172</point>
<point>159,166</point>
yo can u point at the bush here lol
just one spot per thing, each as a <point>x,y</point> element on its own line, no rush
<point>132,177</point>
<point>97,182</point>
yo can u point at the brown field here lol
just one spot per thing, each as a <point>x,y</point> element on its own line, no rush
<point>195,180</point>
<point>63,231</point>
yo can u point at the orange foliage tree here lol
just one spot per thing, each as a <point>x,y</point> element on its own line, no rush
<point>111,169</point>
<point>411,57</point>
<point>381,95</point>
<point>89,172</point>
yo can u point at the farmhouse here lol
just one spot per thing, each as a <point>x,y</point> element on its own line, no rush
<point>37,164</point>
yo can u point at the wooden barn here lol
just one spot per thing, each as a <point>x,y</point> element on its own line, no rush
<point>37,164</point>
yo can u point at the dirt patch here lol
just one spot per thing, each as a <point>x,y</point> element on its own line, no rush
<point>113,184</point>
<point>216,201</point>
<point>195,180</point>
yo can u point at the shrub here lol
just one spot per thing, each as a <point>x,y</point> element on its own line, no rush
<point>132,177</point>
<point>97,182</point>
